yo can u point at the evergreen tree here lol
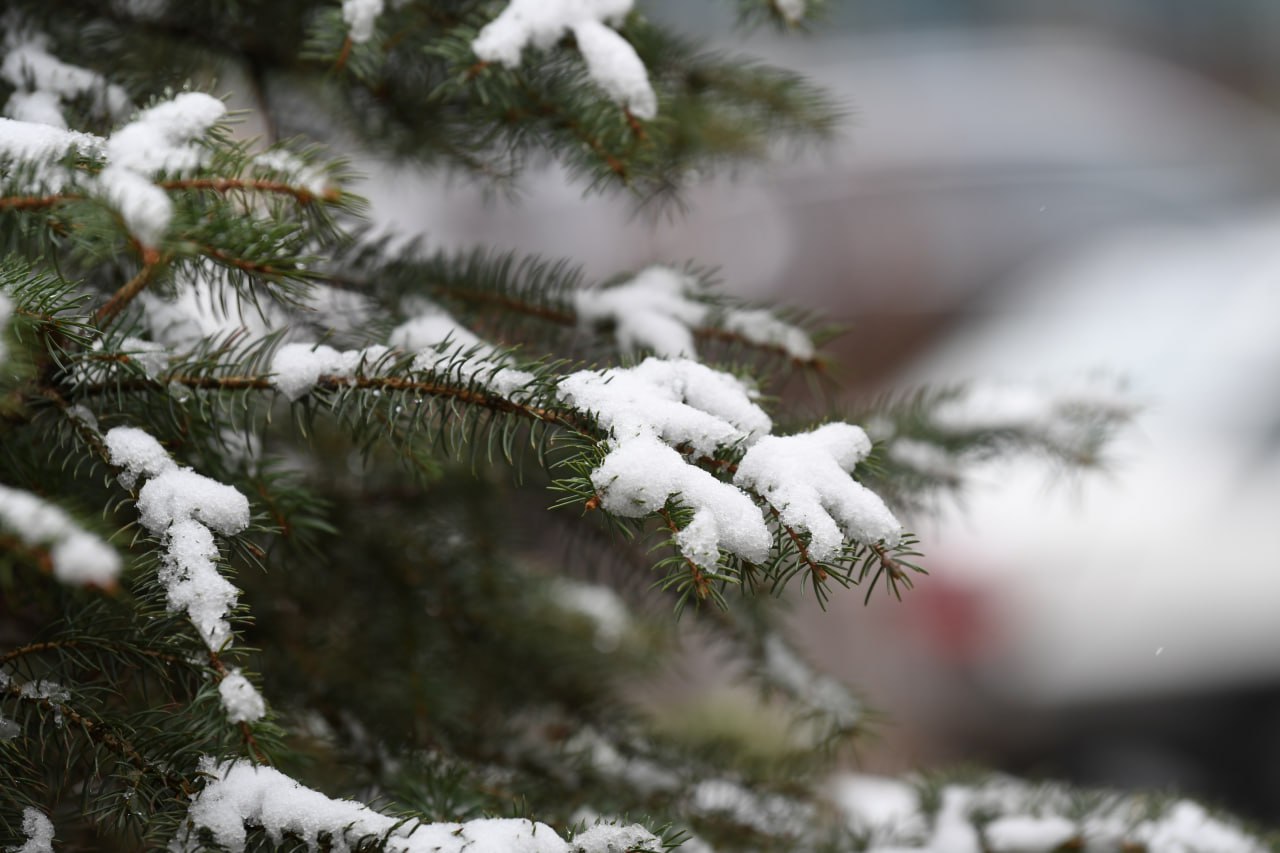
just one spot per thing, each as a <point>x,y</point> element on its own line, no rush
<point>276,556</point>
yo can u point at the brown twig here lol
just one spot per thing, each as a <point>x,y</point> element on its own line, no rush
<point>54,645</point>
<point>226,185</point>
<point>36,202</point>
<point>817,571</point>
<point>701,586</point>
<point>99,733</point>
<point>131,288</point>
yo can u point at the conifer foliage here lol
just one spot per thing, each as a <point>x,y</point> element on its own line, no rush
<point>276,495</point>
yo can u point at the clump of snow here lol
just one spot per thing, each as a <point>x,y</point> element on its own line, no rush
<point>241,700</point>
<point>878,806</point>
<point>240,794</point>
<point>761,327</point>
<point>791,10</point>
<point>297,367</point>
<point>641,473</point>
<point>657,310</point>
<point>806,478</point>
<point>360,16</point>
<point>652,311</point>
<point>600,604</point>
<point>616,67</point>
<point>616,838</point>
<point>659,405</point>
<point>1017,818</point>
<point>160,139</point>
<point>1188,827</point>
<point>183,508</point>
<point>653,407</point>
<point>441,342</point>
<point>9,729</point>
<point>39,832</point>
<point>76,556</point>
<point>43,83</point>
<point>611,61</point>
<point>1028,833</point>
<point>679,401</point>
<point>39,146</point>
<point>137,454</point>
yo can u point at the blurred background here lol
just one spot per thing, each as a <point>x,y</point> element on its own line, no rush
<point>1026,190</point>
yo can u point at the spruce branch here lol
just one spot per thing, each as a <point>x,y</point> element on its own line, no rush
<point>99,733</point>
<point>152,260</point>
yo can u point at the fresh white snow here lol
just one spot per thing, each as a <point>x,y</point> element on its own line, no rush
<point>42,83</point>
<point>806,478</point>
<point>657,309</point>
<point>77,556</point>
<point>240,794</point>
<point>611,61</point>
<point>759,326</point>
<point>183,509</point>
<point>1022,818</point>
<point>297,367</point>
<point>617,838</point>
<point>39,146</point>
<point>659,405</point>
<point>652,310</point>
<point>241,699</point>
<point>39,832</point>
<point>792,10</point>
<point>679,401</point>
<point>439,341</point>
<point>160,139</point>
<point>1028,833</point>
<point>360,17</point>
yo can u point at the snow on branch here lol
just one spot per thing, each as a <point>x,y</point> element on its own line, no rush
<point>239,795</point>
<point>791,10</point>
<point>75,555</point>
<point>161,139</point>
<point>297,367</point>
<point>806,478</point>
<point>183,509</point>
<point>360,17</point>
<point>1002,815</point>
<point>39,831</point>
<point>39,146</point>
<point>440,345</point>
<point>657,309</point>
<point>43,84</point>
<point>611,61</point>
<point>439,341</point>
<point>659,407</point>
